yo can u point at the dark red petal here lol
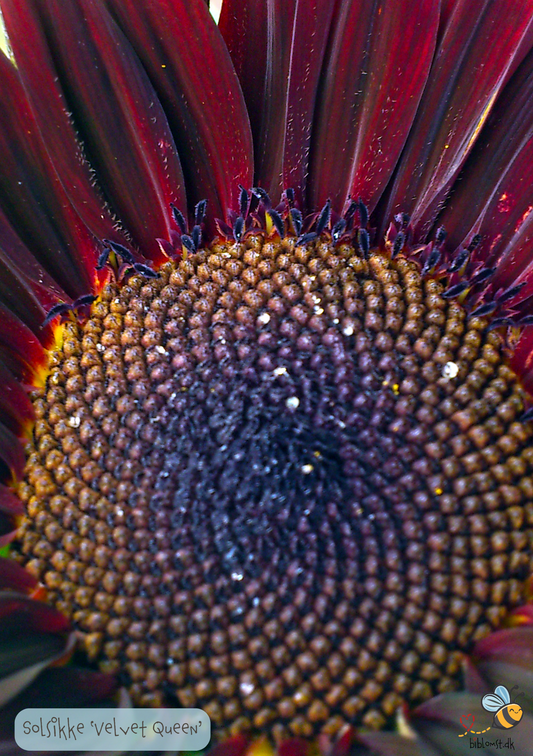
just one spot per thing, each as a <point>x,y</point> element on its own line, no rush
<point>34,200</point>
<point>17,295</point>
<point>119,116</point>
<point>390,744</point>
<point>310,35</point>
<point>278,48</point>
<point>20,350</point>
<point>294,747</point>
<point>23,657</point>
<point>235,746</point>
<point>22,613</point>
<point>16,578</point>
<point>16,409</point>
<point>190,68</point>
<point>9,503</point>
<point>25,284</point>
<point>8,529</point>
<point>11,451</point>
<point>506,658</point>
<point>39,76</point>
<point>372,84</point>
<point>493,197</point>
<point>446,9</point>
<point>259,36</point>
<point>480,48</point>
<point>70,686</point>
<point>32,635</point>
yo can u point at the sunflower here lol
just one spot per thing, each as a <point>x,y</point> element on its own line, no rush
<point>265,339</point>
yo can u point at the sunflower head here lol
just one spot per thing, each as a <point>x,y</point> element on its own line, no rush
<point>278,455</point>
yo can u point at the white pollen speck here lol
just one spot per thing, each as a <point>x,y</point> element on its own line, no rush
<point>120,512</point>
<point>319,310</point>
<point>307,469</point>
<point>292,402</point>
<point>348,330</point>
<point>280,371</point>
<point>336,321</point>
<point>450,370</point>
<point>100,348</point>
<point>161,349</point>
<point>74,421</point>
<point>237,576</point>
<point>264,318</point>
<point>246,688</point>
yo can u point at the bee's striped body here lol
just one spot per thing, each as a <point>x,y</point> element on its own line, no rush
<point>508,716</point>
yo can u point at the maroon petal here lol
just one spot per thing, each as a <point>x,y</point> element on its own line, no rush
<point>480,47</point>
<point>390,744</point>
<point>117,112</point>
<point>9,503</point>
<point>16,294</point>
<point>8,530</point>
<point>294,747</point>
<point>259,37</point>
<point>446,9</point>
<point>369,96</point>
<point>11,451</point>
<point>34,200</point>
<point>16,409</point>
<point>25,284</point>
<point>493,198</point>
<point>19,613</point>
<point>190,68</point>
<point>70,686</point>
<point>278,48</point>
<point>234,746</point>
<point>20,350</point>
<point>506,658</point>
<point>40,80</point>
<point>32,635</point>
<point>15,578</point>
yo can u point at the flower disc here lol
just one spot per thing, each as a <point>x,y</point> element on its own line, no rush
<point>282,483</point>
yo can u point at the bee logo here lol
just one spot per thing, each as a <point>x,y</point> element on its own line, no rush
<point>507,713</point>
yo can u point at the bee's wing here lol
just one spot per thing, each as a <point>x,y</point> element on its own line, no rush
<point>503,693</point>
<point>492,702</point>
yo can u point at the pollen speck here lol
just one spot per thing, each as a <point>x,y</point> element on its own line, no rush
<point>450,370</point>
